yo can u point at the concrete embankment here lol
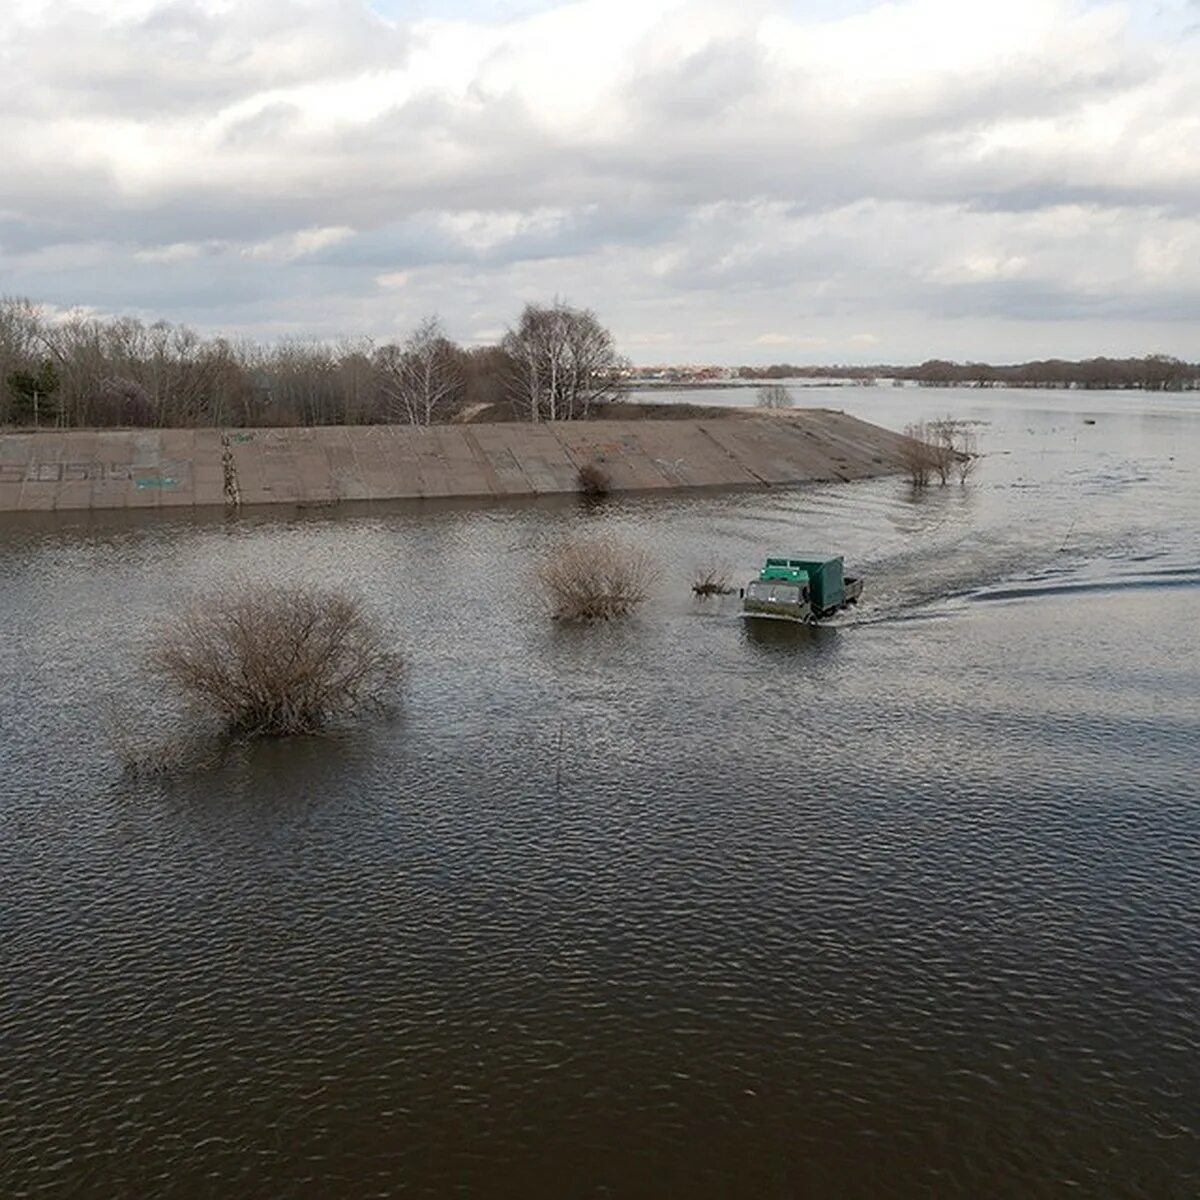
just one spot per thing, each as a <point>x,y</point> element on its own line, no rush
<point>161,468</point>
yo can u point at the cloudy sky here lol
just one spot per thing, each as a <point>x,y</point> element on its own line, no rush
<point>721,180</point>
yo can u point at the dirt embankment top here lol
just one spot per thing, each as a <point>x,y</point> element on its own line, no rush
<point>164,468</point>
<point>611,410</point>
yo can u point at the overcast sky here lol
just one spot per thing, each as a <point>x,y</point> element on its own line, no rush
<point>721,180</point>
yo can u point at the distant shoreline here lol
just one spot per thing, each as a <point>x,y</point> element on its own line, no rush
<point>801,382</point>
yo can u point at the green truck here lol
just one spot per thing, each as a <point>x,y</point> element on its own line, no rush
<point>806,587</point>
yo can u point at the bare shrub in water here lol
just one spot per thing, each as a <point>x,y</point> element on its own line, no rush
<point>594,480</point>
<point>774,396</point>
<point>966,462</point>
<point>269,661</point>
<point>596,579</point>
<point>144,750</point>
<point>712,579</point>
<point>939,449</point>
<point>917,454</point>
<point>965,447</point>
<point>942,435</point>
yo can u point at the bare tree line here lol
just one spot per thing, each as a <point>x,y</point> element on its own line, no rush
<point>1152,372</point>
<point>85,372</point>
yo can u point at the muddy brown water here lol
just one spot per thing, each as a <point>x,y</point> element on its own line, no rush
<point>904,906</point>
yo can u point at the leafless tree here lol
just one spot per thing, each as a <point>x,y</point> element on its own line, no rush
<point>423,378</point>
<point>917,453</point>
<point>120,401</point>
<point>169,375</point>
<point>939,448</point>
<point>957,448</point>
<point>563,362</point>
<point>774,396</point>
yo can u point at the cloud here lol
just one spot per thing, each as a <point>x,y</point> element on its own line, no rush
<point>708,176</point>
<point>159,61</point>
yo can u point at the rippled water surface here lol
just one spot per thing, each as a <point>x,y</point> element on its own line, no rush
<point>906,906</point>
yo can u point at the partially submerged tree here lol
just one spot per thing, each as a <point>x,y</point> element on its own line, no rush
<point>774,396</point>
<point>956,448</point>
<point>938,449</point>
<point>563,362</point>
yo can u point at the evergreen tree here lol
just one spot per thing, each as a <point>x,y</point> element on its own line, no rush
<point>33,394</point>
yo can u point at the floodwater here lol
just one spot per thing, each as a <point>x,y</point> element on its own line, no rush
<point>680,907</point>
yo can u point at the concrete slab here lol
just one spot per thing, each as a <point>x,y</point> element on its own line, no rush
<point>394,468</point>
<point>15,449</point>
<point>112,461</point>
<point>43,473</point>
<point>494,442</point>
<point>208,468</point>
<point>545,459</point>
<point>329,464</point>
<point>435,478</point>
<point>345,481</point>
<point>462,462</point>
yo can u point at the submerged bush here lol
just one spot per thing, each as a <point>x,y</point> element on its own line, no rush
<point>917,454</point>
<point>712,579</point>
<point>959,448</point>
<point>595,580</point>
<point>268,660</point>
<point>938,449</point>
<point>594,480</point>
<point>149,751</point>
<point>774,396</point>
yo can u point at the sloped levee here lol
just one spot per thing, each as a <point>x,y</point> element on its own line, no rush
<point>162,468</point>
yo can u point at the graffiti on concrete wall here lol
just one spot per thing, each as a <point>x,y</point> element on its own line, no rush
<point>141,475</point>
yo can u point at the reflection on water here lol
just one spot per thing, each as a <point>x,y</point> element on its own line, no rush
<point>790,637</point>
<point>687,905</point>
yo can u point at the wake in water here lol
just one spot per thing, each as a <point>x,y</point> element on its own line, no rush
<point>1062,535</point>
<point>1171,578</point>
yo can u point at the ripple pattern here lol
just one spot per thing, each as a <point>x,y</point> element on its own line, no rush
<point>903,907</point>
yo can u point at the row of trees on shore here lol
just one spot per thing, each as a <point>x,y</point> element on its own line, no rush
<point>1153,372</point>
<point>555,363</point>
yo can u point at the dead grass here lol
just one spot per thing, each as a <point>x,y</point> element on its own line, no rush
<point>712,579</point>
<point>270,661</point>
<point>596,579</point>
